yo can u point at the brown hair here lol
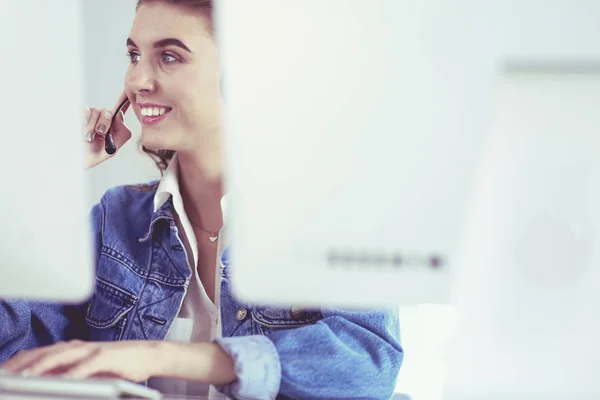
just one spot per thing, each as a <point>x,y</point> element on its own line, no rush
<point>163,157</point>
<point>195,4</point>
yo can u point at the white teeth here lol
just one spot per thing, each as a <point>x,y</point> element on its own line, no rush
<point>153,111</point>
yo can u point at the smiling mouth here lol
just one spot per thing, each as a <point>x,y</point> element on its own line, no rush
<point>154,111</point>
<point>154,115</point>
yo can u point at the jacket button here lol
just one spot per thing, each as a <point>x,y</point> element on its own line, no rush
<point>241,314</point>
<point>297,313</point>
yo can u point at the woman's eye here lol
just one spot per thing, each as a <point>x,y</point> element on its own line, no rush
<point>167,58</point>
<point>133,57</point>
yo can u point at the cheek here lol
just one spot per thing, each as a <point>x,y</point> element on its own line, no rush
<point>184,95</point>
<point>127,81</point>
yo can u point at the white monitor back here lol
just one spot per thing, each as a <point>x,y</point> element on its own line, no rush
<point>44,244</point>
<point>529,284</point>
<point>356,133</point>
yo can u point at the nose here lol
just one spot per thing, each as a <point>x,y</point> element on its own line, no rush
<point>140,78</point>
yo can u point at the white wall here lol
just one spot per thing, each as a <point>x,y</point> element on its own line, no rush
<point>107,24</point>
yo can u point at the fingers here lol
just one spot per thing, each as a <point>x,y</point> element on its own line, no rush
<point>62,358</point>
<point>79,360</point>
<point>86,115</point>
<point>104,122</point>
<point>94,365</point>
<point>94,113</point>
<point>20,361</point>
<point>98,123</point>
<point>25,358</point>
<point>51,359</point>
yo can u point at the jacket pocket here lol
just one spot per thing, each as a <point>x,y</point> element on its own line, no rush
<point>272,319</point>
<point>107,311</point>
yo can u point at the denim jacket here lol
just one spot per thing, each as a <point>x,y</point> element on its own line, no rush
<point>141,278</point>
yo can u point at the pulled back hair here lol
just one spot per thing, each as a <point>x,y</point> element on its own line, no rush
<point>184,3</point>
<point>162,158</point>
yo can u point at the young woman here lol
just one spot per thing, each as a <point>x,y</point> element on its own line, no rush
<point>162,310</point>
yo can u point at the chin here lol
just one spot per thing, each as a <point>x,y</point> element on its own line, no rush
<point>161,139</point>
<point>153,141</point>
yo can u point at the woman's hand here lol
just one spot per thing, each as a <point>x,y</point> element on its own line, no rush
<point>98,121</point>
<point>135,361</point>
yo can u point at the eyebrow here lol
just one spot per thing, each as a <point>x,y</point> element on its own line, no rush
<point>163,43</point>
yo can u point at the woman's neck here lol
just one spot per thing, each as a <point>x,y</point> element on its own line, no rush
<point>200,182</point>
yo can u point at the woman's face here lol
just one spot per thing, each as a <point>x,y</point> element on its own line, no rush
<point>173,81</point>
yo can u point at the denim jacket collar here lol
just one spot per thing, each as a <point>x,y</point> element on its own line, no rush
<point>165,212</point>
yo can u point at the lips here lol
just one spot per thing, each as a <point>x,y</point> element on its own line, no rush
<point>153,113</point>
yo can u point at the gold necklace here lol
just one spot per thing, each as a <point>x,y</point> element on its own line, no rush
<point>212,235</point>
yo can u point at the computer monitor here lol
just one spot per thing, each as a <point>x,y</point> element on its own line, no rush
<point>356,135</point>
<point>526,289</point>
<point>405,152</point>
<point>45,240</point>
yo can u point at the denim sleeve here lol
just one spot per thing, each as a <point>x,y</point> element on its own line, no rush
<point>30,324</point>
<point>26,325</point>
<point>346,355</point>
